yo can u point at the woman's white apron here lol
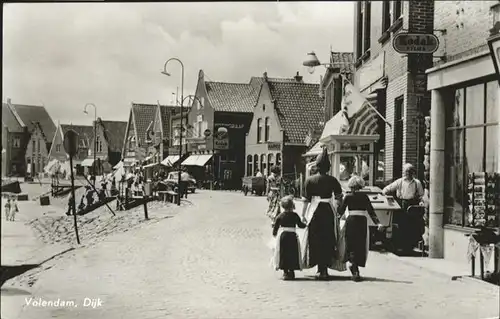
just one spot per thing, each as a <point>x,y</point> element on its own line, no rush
<point>337,262</point>
<point>363,213</point>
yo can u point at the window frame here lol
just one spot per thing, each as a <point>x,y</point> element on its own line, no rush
<point>464,130</point>
<point>267,128</point>
<point>259,130</point>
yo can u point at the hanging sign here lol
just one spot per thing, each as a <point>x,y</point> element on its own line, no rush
<point>406,43</point>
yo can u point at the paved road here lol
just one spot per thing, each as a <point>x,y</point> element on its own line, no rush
<point>211,261</point>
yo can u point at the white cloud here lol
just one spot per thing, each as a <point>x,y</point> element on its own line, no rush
<point>69,54</point>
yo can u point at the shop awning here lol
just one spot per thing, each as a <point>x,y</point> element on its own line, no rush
<point>315,150</point>
<point>197,160</point>
<point>150,165</point>
<point>88,162</point>
<point>117,166</point>
<point>170,160</point>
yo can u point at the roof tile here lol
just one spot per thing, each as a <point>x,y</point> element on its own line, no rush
<point>31,114</point>
<point>232,97</point>
<point>144,115</point>
<point>299,107</point>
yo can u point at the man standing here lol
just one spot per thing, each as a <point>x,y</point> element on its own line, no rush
<point>409,192</point>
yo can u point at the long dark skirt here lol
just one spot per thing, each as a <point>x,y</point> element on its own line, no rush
<point>289,251</point>
<point>355,239</point>
<point>321,237</point>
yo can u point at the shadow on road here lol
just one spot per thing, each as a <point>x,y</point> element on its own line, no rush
<point>8,272</point>
<point>348,278</point>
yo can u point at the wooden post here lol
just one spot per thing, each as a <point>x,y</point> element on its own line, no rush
<point>74,200</point>
<point>145,198</point>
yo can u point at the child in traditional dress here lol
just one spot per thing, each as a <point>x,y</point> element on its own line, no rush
<point>356,227</point>
<point>287,255</point>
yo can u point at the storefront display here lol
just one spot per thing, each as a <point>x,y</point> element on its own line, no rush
<point>483,199</point>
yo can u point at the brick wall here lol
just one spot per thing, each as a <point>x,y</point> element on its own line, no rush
<point>395,88</point>
<point>467,25</point>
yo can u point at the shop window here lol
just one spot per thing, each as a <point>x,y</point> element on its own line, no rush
<point>249,165</point>
<point>267,129</point>
<point>263,164</point>
<point>255,163</point>
<point>471,144</point>
<point>278,160</point>
<point>259,131</point>
<point>270,160</point>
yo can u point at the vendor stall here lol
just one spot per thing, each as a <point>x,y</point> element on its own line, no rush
<point>354,154</point>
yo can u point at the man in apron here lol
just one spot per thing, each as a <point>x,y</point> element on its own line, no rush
<point>408,192</point>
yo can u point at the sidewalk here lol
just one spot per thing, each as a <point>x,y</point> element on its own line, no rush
<point>21,251</point>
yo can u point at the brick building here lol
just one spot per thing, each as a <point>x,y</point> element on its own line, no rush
<point>396,83</point>
<point>285,111</point>
<point>85,136</point>
<point>225,111</point>
<point>464,136</point>
<point>30,131</point>
<point>108,145</point>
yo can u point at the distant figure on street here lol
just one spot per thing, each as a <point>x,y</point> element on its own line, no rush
<point>287,251</point>
<point>71,203</point>
<point>273,192</point>
<point>13,209</point>
<point>356,228</point>
<point>185,178</point>
<point>258,173</point>
<point>7,209</point>
<point>89,196</point>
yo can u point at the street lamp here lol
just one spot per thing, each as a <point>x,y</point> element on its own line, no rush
<point>95,137</point>
<point>494,45</point>
<point>312,62</point>
<point>182,109</point>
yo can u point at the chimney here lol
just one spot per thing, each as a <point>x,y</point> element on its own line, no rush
<point>298,77</point>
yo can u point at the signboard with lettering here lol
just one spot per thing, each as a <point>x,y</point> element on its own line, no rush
<point>273,146</point>
<point>406,43</point>
<point>230,126</point>
<point>221,140</point>
<point>371,72</point>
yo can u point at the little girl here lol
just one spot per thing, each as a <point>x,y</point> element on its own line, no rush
<point>287,251</point>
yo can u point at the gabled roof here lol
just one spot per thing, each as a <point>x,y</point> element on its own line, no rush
<point>143,116</point>
<point>232,97</point>
<point>32,114</point>
<point>299,108</point>
<point>165,113</point>
<point>114,131</point>
<point>9,119</point>
<point>85,133</point>
<point>343,60</point>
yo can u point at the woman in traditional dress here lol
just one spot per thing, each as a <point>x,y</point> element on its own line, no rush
<point>320,215</point>
<point>287,255</point>
<point>358,209</point>
<point>273,192</point>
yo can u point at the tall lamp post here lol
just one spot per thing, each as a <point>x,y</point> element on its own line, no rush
<point>182,109</point>
<point>95,137</point>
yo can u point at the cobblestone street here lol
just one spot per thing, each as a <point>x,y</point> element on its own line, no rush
<point>212,261</point>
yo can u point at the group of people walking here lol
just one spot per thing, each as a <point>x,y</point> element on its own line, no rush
<point>336,227</point>
<point>11,208</point>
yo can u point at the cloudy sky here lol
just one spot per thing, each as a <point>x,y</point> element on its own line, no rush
<point>64,55</point>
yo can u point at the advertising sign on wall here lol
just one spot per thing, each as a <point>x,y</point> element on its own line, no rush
<point>221,140</point>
